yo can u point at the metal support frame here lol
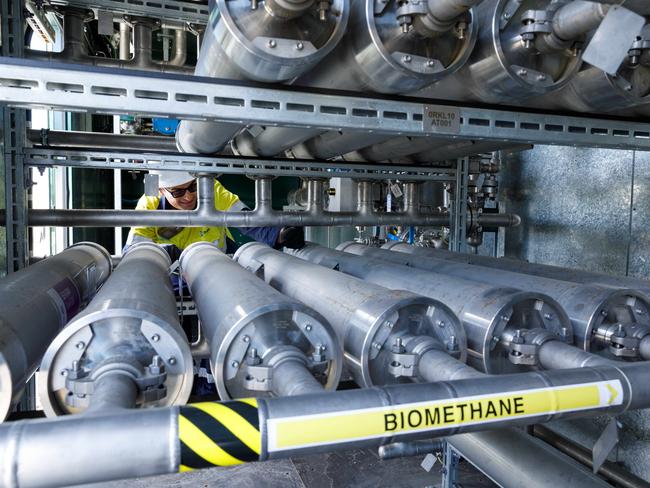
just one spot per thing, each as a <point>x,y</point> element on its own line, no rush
<point>450,460</point>
<point>172,10</point>
<point>136,161</point>
<point>13,123</point>
<point>458,230</point>
<point>13,127</point>
<point>111,91</point>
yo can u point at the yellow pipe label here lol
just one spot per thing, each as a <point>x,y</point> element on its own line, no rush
<point>368,423</point>
<point>219,434</point>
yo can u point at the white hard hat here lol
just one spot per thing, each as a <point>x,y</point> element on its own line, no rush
<point>169,179</point>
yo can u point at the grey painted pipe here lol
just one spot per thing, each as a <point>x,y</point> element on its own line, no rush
<point>149,439</point>
<point>249,315</point>
<point>481,307</point>
<point>589,307</point>
<point>36,303</point>
<point>368,318</point>
<point>118,142</point>
<point>577,18</point>
<point>542,270</point>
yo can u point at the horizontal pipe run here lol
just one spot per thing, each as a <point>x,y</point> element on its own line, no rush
<point>181,218</point>
<point>608,470</point>
<point>263,215</point>
<point>113,391</point>
<point>98,140</point>
<point>291,378</point>
<point>577,18</point>
<point>149,439</point>
<point>410,449</point>
<point>512,458</point>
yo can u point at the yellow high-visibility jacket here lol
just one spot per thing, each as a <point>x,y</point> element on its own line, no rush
<point>224,201</point>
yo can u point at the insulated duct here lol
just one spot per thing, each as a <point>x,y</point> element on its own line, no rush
<point>261,342</point>
<point>388,336</point>
<point>130,330</point>
<point>36,303</point>
<point>491,315</point>
<point>608,319</point>
<point>265,40</point>
<point>157,441</point>
<point>389,47</point>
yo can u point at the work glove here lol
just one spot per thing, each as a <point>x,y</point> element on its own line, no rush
<point>173,251</point>
<point>291,237</point>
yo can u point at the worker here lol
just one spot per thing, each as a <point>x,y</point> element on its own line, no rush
<point>178,191</point>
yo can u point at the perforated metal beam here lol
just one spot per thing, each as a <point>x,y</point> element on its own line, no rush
<point>172,10</point>
<point>42,157</point>
<point>80,88</point>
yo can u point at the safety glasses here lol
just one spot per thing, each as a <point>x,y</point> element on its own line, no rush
<point>179,192</point>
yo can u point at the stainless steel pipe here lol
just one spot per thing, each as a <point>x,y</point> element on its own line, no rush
<point>261,342</point>
<point>149,439</point>
<point>517,459</point>
<point>262,215</point>
<point>542,270</point>
<point>273,42</point>
<point>609,470</point>
<point>36,303</point>
<point>130,328</point>
<point>376,55</point>
<point>507,443</point>
<point>507,66</point>
<point>99,140</point>
<point>384,333</point>
<point>602,317</point>
<point>74,47</point>
<point>490,314</point>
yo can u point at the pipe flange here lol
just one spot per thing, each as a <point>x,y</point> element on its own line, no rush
<point>149,335</point>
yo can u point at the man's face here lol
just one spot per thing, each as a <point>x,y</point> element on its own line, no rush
<point>185,198</point>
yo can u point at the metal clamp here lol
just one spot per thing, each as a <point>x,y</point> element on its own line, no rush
<point>150,380</point>
<point>258,378</point>
<point>525,344</point>
<point>622,339</point>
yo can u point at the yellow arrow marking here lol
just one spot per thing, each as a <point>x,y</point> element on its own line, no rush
<point>613,393</point>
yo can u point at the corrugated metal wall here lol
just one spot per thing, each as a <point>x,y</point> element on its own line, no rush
<point>588,209</point>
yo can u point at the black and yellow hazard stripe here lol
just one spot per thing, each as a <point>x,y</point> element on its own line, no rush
<point>219,434</point>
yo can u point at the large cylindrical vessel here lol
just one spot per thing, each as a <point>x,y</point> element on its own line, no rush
<point>525,48</point>
<point>254,331</point>
<point>388,336</point>
<point>378,55</point>
<point>542,270</point>
<point>593,90</point>
<point>491,315</point>
<point>130,330</point>
<point>602,317</point>
<point>36,303</point>
<point>261,40</point>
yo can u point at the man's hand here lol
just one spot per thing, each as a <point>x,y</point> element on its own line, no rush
<point>291,237</point>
